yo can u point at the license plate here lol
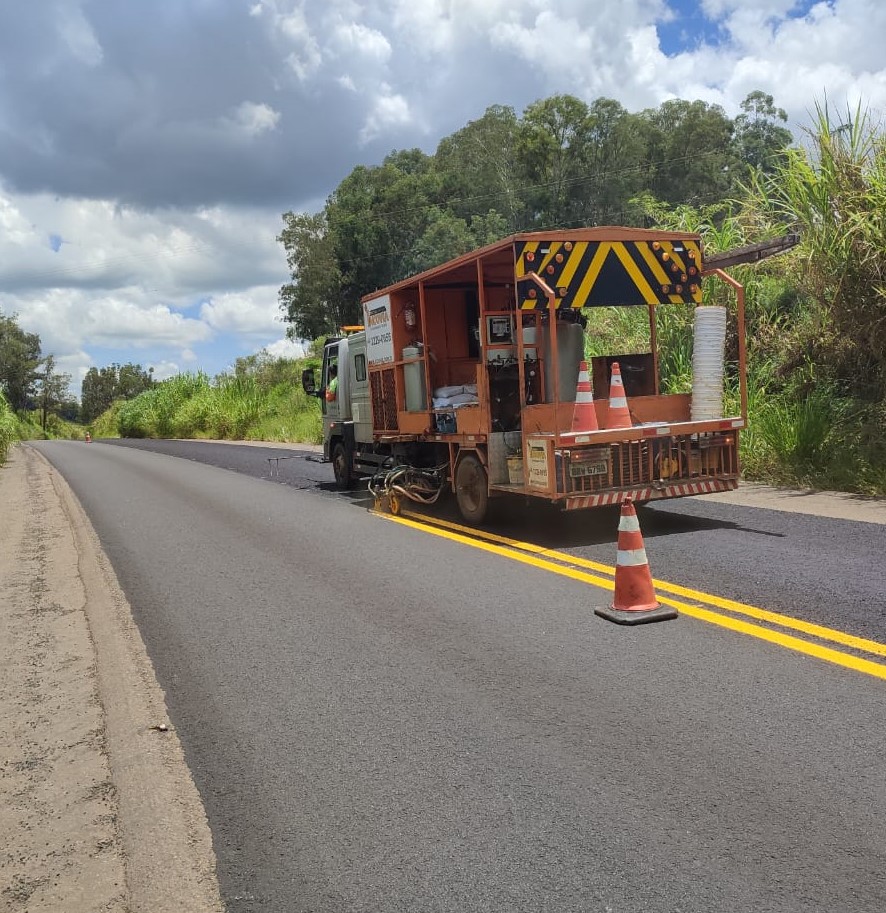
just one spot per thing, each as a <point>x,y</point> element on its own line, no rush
<point>588,469</point>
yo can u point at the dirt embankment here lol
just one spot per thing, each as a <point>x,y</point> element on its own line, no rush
<point>98,811</point>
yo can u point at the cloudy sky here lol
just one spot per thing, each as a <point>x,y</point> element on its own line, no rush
<point>148,149</point>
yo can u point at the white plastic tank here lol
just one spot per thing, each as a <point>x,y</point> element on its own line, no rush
<point>414,379</point>
<point>708,350</point>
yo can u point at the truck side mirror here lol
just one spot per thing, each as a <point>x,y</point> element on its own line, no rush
<point>307,382</point>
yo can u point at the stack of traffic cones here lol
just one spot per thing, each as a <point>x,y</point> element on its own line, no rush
<point>584,415</point>
<point>634,602</point>
<point>619,416</point>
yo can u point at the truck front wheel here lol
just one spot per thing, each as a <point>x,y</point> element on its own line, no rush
<point>471,489</point>
<point>341,466</point>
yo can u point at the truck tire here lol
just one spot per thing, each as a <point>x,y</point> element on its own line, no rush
<point>471,489</point>
<point>341,466</point>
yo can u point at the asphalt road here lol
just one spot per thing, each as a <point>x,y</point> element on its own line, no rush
<point>382,720</point>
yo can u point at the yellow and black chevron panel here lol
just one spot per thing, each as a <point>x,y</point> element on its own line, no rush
<point>605,273</point>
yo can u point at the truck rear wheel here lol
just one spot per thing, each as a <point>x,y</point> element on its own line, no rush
<point>471,489</point>
<point>341,466</point>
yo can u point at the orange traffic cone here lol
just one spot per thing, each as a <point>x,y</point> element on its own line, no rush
<point>88,438</point>
<point>584,416</point>
<point>634,602</point>
<point>619,416</point>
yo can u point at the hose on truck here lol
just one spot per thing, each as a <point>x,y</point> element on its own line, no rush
<point>421,485</point>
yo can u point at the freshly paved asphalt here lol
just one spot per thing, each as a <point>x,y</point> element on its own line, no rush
<point>381,720</point>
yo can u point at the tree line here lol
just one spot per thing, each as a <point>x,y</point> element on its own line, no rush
<point>32,383</point>
<point>563,163</point>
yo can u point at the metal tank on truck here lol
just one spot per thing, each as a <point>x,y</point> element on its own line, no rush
<point>479,376</point>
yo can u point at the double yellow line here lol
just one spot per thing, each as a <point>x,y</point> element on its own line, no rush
<point>576,568</point>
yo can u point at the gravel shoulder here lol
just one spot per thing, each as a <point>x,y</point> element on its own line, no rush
<point>98,811</point>
<point>836,505</point>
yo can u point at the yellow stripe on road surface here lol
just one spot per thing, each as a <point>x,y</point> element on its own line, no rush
<point>558,563</point>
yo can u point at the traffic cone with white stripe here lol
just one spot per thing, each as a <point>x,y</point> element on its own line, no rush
<point>584,415</point>
<point>634,602</point>
<point>619,416</point>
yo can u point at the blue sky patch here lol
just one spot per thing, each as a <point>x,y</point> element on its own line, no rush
<point>55,242</point>
<point>688,28</point>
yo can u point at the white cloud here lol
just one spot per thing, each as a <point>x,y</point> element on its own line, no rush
<point>163,370</point>
<point>251,119</point>
<point>253,312</point>
<point>389,110</point>
<point>286,348</point>
<point>78,35</point>
<point>129,280</point>
<point>289,23</point>
<point>351,38</point>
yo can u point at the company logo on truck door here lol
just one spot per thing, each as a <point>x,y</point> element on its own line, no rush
<point>379,337</point>
<point>605,273</point>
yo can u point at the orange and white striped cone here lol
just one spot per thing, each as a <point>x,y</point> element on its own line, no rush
<point>88,438</point>
<point>634,602</point>
<point>619,416</point>
<point>584,415</point>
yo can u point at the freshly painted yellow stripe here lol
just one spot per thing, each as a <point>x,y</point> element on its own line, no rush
<point>500,550</point>
<point>782,640</point>
<point>785,621</point>
<point>630,265</point>
<point>734,624</point>
<point>740,608</point>
<point>590,277</point>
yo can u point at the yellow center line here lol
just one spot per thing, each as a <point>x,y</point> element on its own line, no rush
<point>514,550</point>
<point>740,608</point>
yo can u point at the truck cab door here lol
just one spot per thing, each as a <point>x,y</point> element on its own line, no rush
<point>330,407</point>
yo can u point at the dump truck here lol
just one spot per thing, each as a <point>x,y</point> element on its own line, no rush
<point>475,377</point>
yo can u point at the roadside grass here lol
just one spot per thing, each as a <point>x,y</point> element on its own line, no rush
<point>265,402</point>
<point>106,424</point>
<point>8,428</point>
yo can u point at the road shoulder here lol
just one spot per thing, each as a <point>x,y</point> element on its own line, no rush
<point>97,806</point>
<point>836,505</point>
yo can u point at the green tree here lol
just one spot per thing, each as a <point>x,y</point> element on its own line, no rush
<point>133,379</point>
<point>760,137</point>
<point>448,236</point>
<point>553,147</point>
<point>375,216</point>
<point>101,386</point>
<point>479,168</point>
<point>53,394</point>
<point>19,363</point>
<point>312,302</point>
<point>614,162</point>
<point>689,154</point>
<point>97,392</point>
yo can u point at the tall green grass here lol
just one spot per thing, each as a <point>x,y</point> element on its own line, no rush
<point>262,402</point>
<point>8,428</point>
